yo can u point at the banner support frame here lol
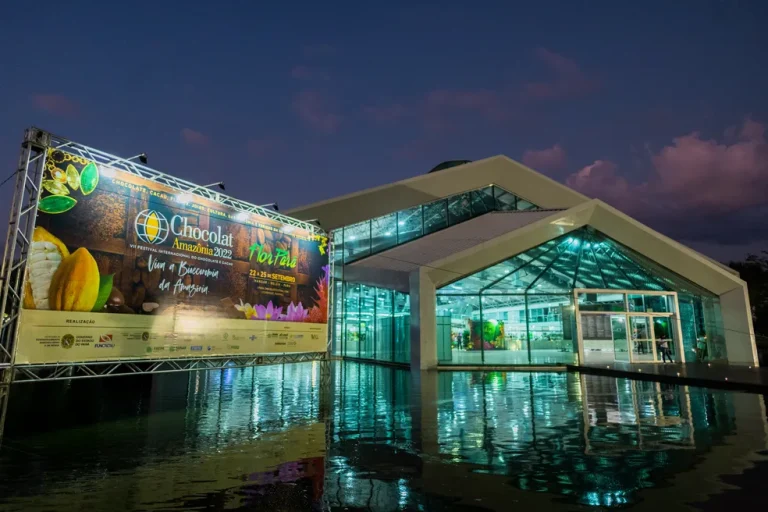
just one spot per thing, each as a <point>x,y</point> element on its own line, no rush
<point>32,160</point>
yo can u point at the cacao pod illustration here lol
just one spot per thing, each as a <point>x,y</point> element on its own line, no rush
<point>75,285</point>
<point>46,252</point>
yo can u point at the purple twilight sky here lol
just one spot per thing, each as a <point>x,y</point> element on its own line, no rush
<point>660,108</point>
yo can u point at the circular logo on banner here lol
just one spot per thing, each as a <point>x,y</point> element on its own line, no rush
<point>67,341</point>
<point>151,227</point>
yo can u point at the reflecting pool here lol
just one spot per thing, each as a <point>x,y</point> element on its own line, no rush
<point>364,437</point>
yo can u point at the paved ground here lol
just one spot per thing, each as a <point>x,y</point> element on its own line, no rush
<point>713,375</point>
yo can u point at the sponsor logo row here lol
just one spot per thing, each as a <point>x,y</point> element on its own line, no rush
<point>107,341</point>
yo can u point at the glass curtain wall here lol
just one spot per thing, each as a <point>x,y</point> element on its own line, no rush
<point>373,323</point>
<point>702,326</point>
<point>381,233</point>
<point>521,311</point>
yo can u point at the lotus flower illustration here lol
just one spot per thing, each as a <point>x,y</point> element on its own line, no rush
<point>296,313</point>
<point>268,312</point>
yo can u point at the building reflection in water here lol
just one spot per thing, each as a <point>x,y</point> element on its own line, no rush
<point>460,437</point>
<point>376,438</point>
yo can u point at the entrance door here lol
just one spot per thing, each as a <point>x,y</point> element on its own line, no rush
<point>605,337</point>
<point>619,333</point>
<point>643,347</point>
<point>662,331</point>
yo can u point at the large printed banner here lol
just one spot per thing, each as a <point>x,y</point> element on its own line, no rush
<point>124,267</point>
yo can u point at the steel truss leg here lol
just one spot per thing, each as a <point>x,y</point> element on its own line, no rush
<point>5,389</point>
<point>21,223</point>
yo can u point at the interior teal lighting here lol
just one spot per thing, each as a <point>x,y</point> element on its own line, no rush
<point>369,237</point>
<point>584,258</point>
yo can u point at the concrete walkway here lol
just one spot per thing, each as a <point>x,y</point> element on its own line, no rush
<point>714,375</point>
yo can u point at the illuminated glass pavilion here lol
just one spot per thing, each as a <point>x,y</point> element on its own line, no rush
<point>490,263</point>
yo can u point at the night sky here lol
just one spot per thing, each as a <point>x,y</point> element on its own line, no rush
<point>659,108</point>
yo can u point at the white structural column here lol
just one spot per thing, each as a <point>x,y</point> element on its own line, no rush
<point>423,321</point>
<point>737,322</point>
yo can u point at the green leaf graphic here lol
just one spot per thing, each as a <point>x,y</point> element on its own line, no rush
<point>89,178</point>
<point>54,187</point>
<point>73,178</point>
<point>105,288</point>
<point>56,204</point>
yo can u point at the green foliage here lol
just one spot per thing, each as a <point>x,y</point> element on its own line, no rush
<point>754,270</point>
<point>105,288</point>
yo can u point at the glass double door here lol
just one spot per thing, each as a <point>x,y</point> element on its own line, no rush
<point>634,338</point>
<point>649,337</point>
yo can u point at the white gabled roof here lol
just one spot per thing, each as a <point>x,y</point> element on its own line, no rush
<point>423,251</point>
<point>498,170</point>
<point>606,219</point>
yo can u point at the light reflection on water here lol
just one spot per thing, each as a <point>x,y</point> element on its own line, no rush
<point>273,438</point>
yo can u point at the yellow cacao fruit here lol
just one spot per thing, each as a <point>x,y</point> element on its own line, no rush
<point>43,235</point>
<point>75,285</point>
<point>29,299</point>
<point>46,253</point>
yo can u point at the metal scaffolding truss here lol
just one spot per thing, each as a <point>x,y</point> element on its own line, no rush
<point>87,370</point>
<point>29,174</point>
<point>183,186</point>
<point>21,223</point>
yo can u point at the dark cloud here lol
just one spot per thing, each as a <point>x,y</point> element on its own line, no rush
<point>568,78</point>
<point>194,138</point>
<point>56,104</point>
<point>545,159</point>
<point>316,112</point>
<point>697,189</point>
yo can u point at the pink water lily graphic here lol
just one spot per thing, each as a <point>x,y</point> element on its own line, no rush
<point>268,312</point>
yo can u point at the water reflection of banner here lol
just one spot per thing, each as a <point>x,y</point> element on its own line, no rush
<point>229,472</point>
<point>122,266</point>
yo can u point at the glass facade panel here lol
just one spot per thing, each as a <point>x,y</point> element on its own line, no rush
<point>357,241</point>
<point>367,318</point>
<point>351,315</point>
<point>642,340</point>
<point>664,334</point>
<point>337,319</point>
<point>459,208</point>
<point>505,201</point>
<point>402,320</point>
<point>482,201</point>
<point>409,224</point>
<point>374,323</point>
<point>712,329</point>
<point>530,297</point>
<point>601,302</point>
<point>464,336</point>
<point>506,331</point>
<point>552,329</point>
<point>522,204</point>
<point>379,234</point>
<point>383,233</point>
<point>384,325</point>
<point>650,303</point>
<point>688,325</point>
<point>435,216</point>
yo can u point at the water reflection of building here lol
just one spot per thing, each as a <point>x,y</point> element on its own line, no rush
<point>589,440</point>
<point>394,440</point>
